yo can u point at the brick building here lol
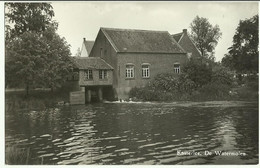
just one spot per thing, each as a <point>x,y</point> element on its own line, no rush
<point>132,58</point>
<point>187,44</point>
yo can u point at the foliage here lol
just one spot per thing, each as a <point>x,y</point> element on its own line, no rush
<point>37,61</point>
<point>243,54</point>
<point>25,58</point>
<point>252,82</point>
<point>145,93</point>
<point>166,86</point>
<point>32,17</point>
<point>205,36</point>
<point>198,72</point>
<point>36,56</point>
<point>222,75</point>
<point>58,62</point>
<point>198,81</point>
<point>213,91</point>
<point>166,82</point>
<point>78,53</point>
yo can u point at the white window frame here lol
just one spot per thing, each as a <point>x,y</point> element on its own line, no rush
<point>177,69</point>
<point>88,74</point>
<point>146,70</point>
<point>103,74</point>
<point>130,71</point>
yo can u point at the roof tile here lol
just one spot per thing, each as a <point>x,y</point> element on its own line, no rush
<point>91,63</point>
<point>129,40</point>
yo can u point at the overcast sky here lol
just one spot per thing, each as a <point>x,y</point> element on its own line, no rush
<point>83,19</point>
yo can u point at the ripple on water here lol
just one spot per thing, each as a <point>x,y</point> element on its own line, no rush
<point>142,134</point>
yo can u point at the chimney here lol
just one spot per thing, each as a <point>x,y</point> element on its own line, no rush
<point>84,39</point>
<point>184,31</point>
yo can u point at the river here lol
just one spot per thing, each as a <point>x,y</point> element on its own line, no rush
<point>136,133</point>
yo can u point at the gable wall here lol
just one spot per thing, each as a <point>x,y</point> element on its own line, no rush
<point>188,46</point>
<point>109,53</point>
<point>84,52</point>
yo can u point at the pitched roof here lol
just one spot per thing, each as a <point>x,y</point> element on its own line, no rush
<point>177,36</point>
<point>130,40</point>
<point>88,45</point>
<point>185,41</point>
<point>91,63</point>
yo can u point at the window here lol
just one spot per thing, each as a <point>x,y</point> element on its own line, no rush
<point>145,71</point>
<point>88,74</point>
<point>129,71</point>
<point>102,74</point>
<point>176,68</point>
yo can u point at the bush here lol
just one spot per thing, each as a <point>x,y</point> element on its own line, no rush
<point>198,81</point>
<point>213,91</point>
<point>166,82</point>
<point>143,94</point>
<point>252,82</point>
<point>222,75</point>
<point>198,72</point>
<point>164,87</point>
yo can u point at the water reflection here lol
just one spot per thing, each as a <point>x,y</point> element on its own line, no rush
<point>114,133</point>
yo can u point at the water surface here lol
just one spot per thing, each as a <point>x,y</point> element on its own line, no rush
<point>134,133</point>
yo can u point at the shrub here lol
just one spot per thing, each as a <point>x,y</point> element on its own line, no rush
<point>213,91</point>
<point>198,72</point>
<point>222,75</point>
<point>252,82</point>
<point>144,94</point>
<point>165,82</point>
<point>164,87</point>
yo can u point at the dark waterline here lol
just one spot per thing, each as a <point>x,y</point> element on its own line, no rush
<point>134,133</point>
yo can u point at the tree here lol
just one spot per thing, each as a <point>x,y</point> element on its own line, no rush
<point>33,60</point>
<point>205,36</point>
<point>24,64</point>
<point>36,56</point>
<point>58,62</point>
<point>198,72</point>
<point>243,54</point>
<point>28,17</point>
<point>78,53</point>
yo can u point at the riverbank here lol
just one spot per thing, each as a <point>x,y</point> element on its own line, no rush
<point>192,103</point>
<point>47,98</point>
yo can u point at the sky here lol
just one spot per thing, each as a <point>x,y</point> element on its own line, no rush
<point>83,19</point>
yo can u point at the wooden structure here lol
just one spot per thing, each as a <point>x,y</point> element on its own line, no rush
<point>94,75</point>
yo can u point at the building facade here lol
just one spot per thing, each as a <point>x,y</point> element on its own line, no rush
<point>86,47</point>
<point>137,56</point>
<point>121,59</point>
